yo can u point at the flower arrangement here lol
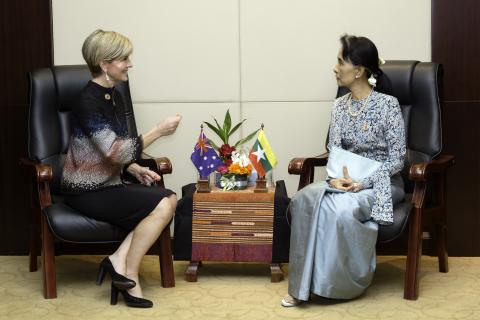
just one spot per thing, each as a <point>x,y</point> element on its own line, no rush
<point>240,164</point>
<point>224,132</point>
<point>236,175</point>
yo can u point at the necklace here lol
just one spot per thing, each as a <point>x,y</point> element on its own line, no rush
<point>364,105</point>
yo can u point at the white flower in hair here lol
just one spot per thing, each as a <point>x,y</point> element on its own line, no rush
<point>381,61</point>
<point>372,81</point>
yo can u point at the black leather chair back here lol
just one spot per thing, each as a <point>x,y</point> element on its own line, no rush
<point>53,92</point>
<point>417,85</point>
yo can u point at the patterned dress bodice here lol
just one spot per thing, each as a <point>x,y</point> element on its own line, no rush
<point>100,146</point>
<point>377,133</point>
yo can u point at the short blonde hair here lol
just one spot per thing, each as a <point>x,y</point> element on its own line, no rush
<point>105,46</point>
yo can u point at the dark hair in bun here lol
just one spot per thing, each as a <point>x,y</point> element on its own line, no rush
<point>361,51</point>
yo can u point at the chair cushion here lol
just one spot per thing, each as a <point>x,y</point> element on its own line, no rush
<point>387,233</point>
<point>70,226</point>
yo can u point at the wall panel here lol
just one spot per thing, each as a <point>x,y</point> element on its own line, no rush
<point>184,50</point>
<point>289,48</point>
<point>26,42</point>
<point>455,34</point>
<point>460,139</point>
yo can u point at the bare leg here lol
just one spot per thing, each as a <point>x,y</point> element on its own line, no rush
<point>144,236</point>
<point>119,257</point>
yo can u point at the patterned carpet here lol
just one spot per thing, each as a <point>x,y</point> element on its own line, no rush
<point>236,291</point>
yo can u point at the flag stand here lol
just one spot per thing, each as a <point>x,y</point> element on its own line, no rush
<point>261,185</point>
<point>203,186</point>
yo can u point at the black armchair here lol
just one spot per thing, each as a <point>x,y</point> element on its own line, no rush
<point>417,86</point>
<point>55,226</point>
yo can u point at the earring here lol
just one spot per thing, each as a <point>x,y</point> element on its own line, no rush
<point>106,76</point>
<point>356,76</point>
<point>372,81</point>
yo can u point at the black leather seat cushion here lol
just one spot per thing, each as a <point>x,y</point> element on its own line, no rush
<point>70,226</point>
<point>387,233</point>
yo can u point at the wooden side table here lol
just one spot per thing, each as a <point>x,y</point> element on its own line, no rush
<point>233,226</point>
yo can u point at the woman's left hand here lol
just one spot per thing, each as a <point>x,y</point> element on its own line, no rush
<point>143,174</point>
<point>354,186</point>
<point>346,183</point>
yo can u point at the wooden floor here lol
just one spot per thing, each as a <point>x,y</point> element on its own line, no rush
<point>236,291</point>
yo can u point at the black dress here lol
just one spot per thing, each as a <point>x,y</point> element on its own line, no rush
<point>100,148</point>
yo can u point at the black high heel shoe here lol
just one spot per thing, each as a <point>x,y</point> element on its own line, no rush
<point>121,282</point>
<point>130,300</point>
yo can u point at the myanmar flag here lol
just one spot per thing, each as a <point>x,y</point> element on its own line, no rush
<point>262,157</point>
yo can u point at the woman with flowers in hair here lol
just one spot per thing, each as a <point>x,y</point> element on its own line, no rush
<point>333,236</point>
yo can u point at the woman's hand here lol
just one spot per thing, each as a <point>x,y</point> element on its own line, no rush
<point>164,128</point>
<point>356,187</point>
<point>346,183</point>
<point>143,174</point>
<point>168,125</point>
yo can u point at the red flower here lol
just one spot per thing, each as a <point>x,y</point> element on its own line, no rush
<point>222,169</point>
<point>226,152</point>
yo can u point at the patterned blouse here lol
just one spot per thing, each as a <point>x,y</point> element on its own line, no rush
<point>99,145</point>
<point>377,133</point>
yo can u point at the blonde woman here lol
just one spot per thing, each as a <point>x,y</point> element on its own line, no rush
<point>100,149</point>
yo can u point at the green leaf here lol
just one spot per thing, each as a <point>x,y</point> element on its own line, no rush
<point>248,138</point>
<point>222,134</point>
<point>212,127</point>
<point>218,125</point>
<point>236,127</point>
<point>213,144</point>
<point>227,123</point>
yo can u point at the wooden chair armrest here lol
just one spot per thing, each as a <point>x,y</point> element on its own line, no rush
<point>422,171</point>
<point>301,165</point>
<point>161,165</point>
<point>41,172</point>
<point>41,175</point>
<point>305,167</point>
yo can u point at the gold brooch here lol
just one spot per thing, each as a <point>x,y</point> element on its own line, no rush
<point>107,96</point>
<point>365,126</point>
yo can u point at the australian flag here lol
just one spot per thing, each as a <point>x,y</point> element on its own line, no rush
<point>204,157</point>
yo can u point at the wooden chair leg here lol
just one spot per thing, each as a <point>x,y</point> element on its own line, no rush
<point>35,240</point>
<point>166,263</point>
<point>413,257</point>
<point>48,261</point>
<point>34,248</point>
<point>441,233</point>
